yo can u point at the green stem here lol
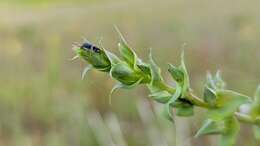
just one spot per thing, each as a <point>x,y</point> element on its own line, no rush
<point>190,96</point>
<point>244,118</point>
<point>247,119</point>
<point>195,100</point>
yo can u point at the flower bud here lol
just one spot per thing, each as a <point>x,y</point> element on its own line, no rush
<point>95,56</point>
<point>125,74</point>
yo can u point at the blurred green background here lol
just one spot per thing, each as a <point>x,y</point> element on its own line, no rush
<point>44,102</point>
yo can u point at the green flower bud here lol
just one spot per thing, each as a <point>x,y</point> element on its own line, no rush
<point>95,56</point>
<point>125,74</point>
<point>161,96</point>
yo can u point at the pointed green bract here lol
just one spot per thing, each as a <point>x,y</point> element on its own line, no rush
<point>175,96</point>
<point>122,86</point>
<point>168,107</point>
<point>232,127</point>
<point>117,86</point>
<point>210,127</point>
<point>127,53</point>
<point>227,103</point>
<point>186,81</point>
<point>228,128</point>
<point>156,79</point>
<point>180,75</point>
<point>156,85</point>
<point>168,113</point>
<point>85,71</point>
<point>215,82</point>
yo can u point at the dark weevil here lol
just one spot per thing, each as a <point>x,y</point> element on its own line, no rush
<point>90,47</point>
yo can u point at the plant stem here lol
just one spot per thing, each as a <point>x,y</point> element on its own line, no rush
<point>195,100</point>
<point>247,119</point>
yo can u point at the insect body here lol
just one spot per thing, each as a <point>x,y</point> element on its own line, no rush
<point>90,47</point>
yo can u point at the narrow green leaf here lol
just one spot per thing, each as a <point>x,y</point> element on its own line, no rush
<point>176,95</point>
<point>122,39</point>
<point>168,113</point>
<point>186,82</point>
<point>210,127</point>
<point>227,103</point>
<point>122,86</point>
<point>180,75</point>
<point>117,86</point>
<point>168,107</point>
<point>232,127</point>
<point>86,69</point>
<point>156,77</point>
<point>127,53</point>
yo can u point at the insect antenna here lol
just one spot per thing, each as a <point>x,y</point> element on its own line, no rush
<point>85,40</point>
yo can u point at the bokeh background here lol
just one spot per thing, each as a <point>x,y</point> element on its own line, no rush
<point>44,102</point>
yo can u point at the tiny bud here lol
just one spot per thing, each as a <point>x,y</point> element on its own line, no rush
<point>125,74</point>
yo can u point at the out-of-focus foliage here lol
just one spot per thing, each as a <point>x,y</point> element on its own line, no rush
<point>44,102</point>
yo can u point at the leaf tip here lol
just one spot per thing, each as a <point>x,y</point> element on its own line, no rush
<point>86,69</point>
<point>74,58</point>
<point>120,34</point>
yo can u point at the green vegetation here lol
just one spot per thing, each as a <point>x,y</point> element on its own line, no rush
<point>43,101</point>
<point>222,104</point>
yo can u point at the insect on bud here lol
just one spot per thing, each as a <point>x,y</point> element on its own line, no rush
<point>95,56</point>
